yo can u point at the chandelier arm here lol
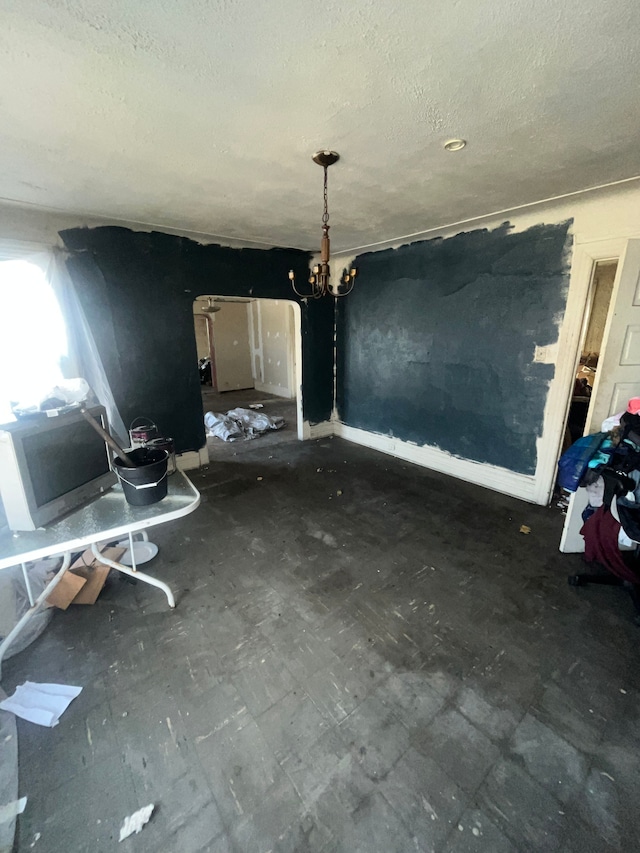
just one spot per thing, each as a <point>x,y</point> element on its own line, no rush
<point>315,291</point>
<point>346,292</point>
<point>297,292</point>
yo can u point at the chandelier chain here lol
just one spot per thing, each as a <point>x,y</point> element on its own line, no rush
<point>325,215</point>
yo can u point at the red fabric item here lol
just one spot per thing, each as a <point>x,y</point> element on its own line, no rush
<point>600,533</point>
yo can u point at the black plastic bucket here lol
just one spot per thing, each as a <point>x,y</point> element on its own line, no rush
<point>147,482</point>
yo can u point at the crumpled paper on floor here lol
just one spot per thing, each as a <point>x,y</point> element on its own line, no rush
<point>136,821</point>
<point>43,704</point>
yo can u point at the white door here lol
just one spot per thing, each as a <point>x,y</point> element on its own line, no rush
<point>201,325</point>
<point>618,373</point>
<point>231,346</point>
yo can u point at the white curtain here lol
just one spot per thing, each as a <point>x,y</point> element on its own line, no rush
<point>44,334</point>
<point>83,352</point>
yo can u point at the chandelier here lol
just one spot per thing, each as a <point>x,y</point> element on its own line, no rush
<point>320,283</point>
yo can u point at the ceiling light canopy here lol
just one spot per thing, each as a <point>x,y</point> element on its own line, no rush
<point>320,277</point>
<point>455,144</point>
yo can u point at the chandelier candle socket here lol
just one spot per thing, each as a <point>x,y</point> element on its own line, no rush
<point>320,277</point>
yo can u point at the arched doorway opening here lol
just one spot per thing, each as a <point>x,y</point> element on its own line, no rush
<point>250,354</point>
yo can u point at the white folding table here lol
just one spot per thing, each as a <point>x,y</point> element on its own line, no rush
<point>107,518</point>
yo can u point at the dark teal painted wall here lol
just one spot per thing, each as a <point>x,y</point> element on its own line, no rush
<point>436,342</point>
<point>137,289</point>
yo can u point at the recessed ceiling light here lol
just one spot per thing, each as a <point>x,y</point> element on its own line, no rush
<point>455,144</point>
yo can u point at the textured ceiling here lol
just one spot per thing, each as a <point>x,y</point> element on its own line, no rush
<point>203,114</point>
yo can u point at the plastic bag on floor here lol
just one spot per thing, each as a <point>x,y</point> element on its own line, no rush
<point>241,423</point>
<point>14,602</point>
<point>222,427</point>
<point>255,423</point>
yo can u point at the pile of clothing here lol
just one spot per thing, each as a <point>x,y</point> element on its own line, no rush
<point>607,465</point>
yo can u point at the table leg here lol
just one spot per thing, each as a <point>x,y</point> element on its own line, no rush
<point>132,573</point>
<point>37,604</point>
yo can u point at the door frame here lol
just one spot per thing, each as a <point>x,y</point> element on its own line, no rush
<point>585,256</point>
<point>294,355</point>
<point>571,541</point>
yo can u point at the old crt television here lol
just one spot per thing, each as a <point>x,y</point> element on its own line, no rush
<point>51,465</point>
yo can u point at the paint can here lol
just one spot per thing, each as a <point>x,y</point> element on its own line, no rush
<point>140,434</point>
<point>167,444</point>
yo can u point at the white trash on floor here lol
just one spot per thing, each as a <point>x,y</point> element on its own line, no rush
<point>43,704</point>
<point>241,423</point>
<point>135,822</point>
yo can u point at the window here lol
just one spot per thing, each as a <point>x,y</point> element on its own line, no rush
<point>33,339</point>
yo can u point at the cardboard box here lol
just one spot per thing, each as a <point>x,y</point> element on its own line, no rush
<point>89,567</point>
<point>95,579</point>
<point>83,582</point>
<point>66,591</point>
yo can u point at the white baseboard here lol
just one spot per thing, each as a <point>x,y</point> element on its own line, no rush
<point>276,390</point>
<point>321,430</point>
<point>193,459</point>
<point>521,486</point>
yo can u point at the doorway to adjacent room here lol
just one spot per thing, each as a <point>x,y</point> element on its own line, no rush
<point>617,373</point>
<point>249,355</point>
<point>597,310</point>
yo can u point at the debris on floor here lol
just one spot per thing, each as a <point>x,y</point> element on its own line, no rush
<point>241,424</point>
<point>524,528</point>
<point>136,821</point>
<point>331,657</point>
<point>10,810</point>
<point>8,778</point>
<point>43,704</point>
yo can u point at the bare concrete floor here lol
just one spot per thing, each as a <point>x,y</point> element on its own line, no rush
<point>365,656</point>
